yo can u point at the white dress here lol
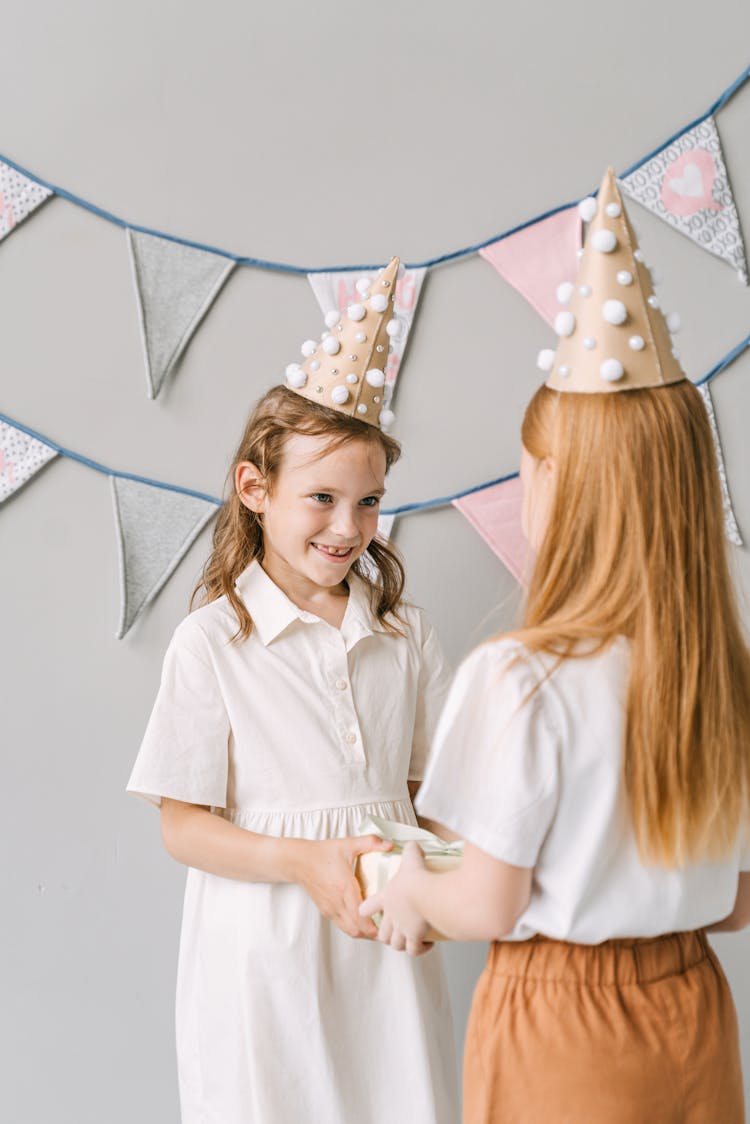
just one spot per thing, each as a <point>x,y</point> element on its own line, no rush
<point>301,730</point>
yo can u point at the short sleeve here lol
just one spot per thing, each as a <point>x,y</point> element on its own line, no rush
<point>493,776</point>
<point>432,690</point>
<point>185,750</point>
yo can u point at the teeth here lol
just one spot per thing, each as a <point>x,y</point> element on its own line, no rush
<point>337,551</point>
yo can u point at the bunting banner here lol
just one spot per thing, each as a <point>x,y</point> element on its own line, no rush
<point>495,512</point>
<point>21,457</point>
<point>731,529</point>
<point>19,198</point>
<point>687,185</point>
<point>537,258</point>
<point>156,527</point>
<point>335,291</point>
<point>175,286</point>
<point>385,526</point>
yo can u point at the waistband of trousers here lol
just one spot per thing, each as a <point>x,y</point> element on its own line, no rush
<point>625,961</point>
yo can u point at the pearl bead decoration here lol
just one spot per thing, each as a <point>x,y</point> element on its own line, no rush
<point>356,312</point>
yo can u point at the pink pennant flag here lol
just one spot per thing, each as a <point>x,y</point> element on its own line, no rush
<point>495,512</point>
<point>536,259</point>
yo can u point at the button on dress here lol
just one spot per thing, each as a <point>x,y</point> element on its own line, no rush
<point>302,730</point>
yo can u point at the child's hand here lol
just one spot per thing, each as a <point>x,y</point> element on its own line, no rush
<point>326,873</point>
<point>402,926</point>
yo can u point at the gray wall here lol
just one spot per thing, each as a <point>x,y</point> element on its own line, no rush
<point>311,133</point>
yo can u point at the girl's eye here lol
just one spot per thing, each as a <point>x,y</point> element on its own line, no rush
<point>371,501</point>
<point>322,497</point>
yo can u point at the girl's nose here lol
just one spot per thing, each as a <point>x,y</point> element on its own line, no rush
<point>344,523</point>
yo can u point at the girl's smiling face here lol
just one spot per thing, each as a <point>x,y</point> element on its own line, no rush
<point>320,513</point>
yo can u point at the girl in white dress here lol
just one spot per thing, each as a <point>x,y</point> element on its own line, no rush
<point>597,761</point>
<point>297,700</point>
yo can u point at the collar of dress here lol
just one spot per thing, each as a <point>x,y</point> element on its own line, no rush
<point>272,611</point>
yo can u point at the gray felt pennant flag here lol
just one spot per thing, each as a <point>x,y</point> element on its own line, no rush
<point>731,529</point>
<point>175,285</point>
<point>155,529</point>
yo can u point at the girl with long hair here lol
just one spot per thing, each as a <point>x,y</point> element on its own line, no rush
<point>597,760</point>
<point>296,700</point>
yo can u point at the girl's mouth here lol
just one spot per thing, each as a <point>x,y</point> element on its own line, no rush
<point>335,553</point>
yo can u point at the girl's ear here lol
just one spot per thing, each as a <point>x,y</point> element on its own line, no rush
<point>250,486</point>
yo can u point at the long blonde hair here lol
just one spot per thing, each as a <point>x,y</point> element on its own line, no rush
<point>238,533</point>
<point>635,547</point>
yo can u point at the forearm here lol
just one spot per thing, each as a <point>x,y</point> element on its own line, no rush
<point>195,836</point>
<point>458,909</point>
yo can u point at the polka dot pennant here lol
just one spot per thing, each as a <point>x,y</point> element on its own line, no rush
<point>21,457</point>
<point>19,197</point>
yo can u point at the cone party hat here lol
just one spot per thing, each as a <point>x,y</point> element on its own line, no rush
<point>346,370</point>
<point>612,333</point>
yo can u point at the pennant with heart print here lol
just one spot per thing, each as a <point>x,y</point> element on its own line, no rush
<point>687,185</point>
<point>336,291</point>
<point>21,457</point>
<point>19,198</point>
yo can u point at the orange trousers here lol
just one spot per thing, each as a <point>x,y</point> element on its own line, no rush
<point>626,1032</point>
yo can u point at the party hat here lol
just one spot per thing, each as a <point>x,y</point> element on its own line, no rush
<point>613,334</point>
<point>346,370</point>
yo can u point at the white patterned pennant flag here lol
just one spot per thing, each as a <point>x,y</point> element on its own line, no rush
<point>730,523</point>
<point>334,291</point>
<point>175,285</point>
<point>687,185</point>
<point>19,197</point>
<point>155,529</point>
<point>21,456</point>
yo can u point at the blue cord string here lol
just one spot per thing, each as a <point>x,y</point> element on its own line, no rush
<point>403,509</point>
<point>441,259</point>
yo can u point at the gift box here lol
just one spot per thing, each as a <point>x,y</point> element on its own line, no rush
<point>374,869</point>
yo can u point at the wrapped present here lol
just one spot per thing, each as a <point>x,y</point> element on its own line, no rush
<point>374,869</point>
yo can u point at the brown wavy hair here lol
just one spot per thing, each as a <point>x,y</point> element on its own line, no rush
<point>635,547</point>
<point>238,533</point>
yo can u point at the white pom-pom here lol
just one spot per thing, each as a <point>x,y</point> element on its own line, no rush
<point>375,377</point>
<point>360,337</point>
<point>638,255</point>
<point>604,241</point>
<point>587,208</point>
<point>614,312</point>
<point>564,292</point>
<point>339,395</point>
<point>624,277</point>
<point>352,378</point>
<point>387,417</point>
<point>611,370</point>
<point>565,323</point>
<point>291,368</point>
<point>361,409</point>
<point>309,347</point>
<point>315,365</point>
<point>589,343</point>
<point>331,345</point>
<point>613,210</point>
<point>584,290</point>
<point>297,378</point>
<point>332,318</point>
<point>356,312</point>
<point>563,371</point>
<point>393,328</point>
<point>324,335</point>
<point>363,285</point>
<point>379,302</point>
<point>636,343</point>
<point>579,254</point>
<point>674,322</point>
<point>653,301</point>
<point>545,359</point>
<point>656,277</point>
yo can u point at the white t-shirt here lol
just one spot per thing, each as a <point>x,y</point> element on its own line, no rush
<point>540,784</point>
